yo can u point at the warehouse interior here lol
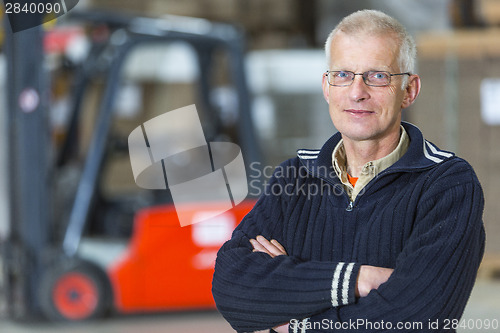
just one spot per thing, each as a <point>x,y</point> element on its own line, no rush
<point>73,88</point>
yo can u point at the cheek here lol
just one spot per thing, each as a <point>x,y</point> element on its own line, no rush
<point>393,91</point>
<point>335,99</point>
<point>396,95</point>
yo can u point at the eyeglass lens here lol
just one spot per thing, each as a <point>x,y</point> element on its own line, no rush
<point>345,78</point>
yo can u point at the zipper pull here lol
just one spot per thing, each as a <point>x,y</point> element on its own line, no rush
<point>349,208</point>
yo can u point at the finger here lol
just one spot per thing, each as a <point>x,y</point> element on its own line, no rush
<point>281,328</point>
<point>271,248</point>
<point>258,247</point>
<point>279,246</point>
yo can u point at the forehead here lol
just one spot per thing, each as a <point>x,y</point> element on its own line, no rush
<point>363,51</point>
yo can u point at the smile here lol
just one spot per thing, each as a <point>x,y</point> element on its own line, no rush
<point>359,113</point>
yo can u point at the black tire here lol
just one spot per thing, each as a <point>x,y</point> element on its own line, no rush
<point>75,290</point>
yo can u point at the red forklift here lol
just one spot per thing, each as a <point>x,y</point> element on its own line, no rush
<point>57,178</point>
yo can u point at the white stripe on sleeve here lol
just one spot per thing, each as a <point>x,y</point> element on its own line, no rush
<point>335,284</point>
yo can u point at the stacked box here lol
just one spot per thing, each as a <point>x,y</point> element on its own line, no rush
<point>254,14</point>
<point>214,10</point>
<point>448,110</point>
<point>269,24</point>
<point>490,11</point>
<point>123,5</point>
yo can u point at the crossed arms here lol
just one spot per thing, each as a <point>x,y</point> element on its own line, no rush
<point>369,277</point>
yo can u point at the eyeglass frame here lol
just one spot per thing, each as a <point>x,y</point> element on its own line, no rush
<point>364,77</point>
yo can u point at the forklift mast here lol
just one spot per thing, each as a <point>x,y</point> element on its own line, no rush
<point>28,169</point>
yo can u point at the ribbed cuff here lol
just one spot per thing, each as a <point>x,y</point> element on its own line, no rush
<point>344,284</point>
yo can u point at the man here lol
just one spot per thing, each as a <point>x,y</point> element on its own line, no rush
<point>397,248</point>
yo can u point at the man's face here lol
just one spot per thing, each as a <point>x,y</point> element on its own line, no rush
<point>362,112</point>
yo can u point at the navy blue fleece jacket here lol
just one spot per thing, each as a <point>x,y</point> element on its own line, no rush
<point>422,217</point>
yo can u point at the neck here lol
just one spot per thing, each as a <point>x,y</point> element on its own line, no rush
<point>359,153</point>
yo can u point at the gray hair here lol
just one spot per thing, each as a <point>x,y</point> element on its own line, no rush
<point>377,23</point>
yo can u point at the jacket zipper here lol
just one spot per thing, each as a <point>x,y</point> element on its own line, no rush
<point>350,207</point>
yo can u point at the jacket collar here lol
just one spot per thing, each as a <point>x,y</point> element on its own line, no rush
<point>421,154</point>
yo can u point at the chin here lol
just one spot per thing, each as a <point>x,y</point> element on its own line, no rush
<point>357,137</point>
<point>356,132</point>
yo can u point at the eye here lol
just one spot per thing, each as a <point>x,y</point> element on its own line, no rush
<point>342,75</point>
<point>340,78</point>
<point>379,75</point>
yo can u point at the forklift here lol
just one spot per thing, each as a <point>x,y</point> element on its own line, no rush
<point>163,266</point>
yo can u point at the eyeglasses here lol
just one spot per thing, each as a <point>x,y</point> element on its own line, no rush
<point>371,78</point>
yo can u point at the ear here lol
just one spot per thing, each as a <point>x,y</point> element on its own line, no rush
<point>411,92</point>
<point>326,88</point>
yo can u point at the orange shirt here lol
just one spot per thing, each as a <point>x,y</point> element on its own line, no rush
<point>352,180</point>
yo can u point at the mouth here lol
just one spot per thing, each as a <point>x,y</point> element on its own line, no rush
<point>359,113</point>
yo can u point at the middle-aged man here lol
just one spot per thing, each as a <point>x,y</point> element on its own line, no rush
<point>379,230</point>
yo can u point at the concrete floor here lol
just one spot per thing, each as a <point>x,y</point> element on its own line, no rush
<point>484,304</point>
<point>191,322</point>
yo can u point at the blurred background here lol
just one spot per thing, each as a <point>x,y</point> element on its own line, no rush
<point>81,243</point>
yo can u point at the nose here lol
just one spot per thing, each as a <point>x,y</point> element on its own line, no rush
<point>358,90</point>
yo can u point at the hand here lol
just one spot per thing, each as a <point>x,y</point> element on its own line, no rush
<point>371,277</point>
<point>273,247</point>
<point>279,329</point>
<point>282,328</point>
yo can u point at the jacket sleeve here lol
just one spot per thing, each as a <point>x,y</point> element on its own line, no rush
<point>434,273</point>
<point>254,291</point>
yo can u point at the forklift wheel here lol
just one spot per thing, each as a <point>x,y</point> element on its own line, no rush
<point>75,291</point>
